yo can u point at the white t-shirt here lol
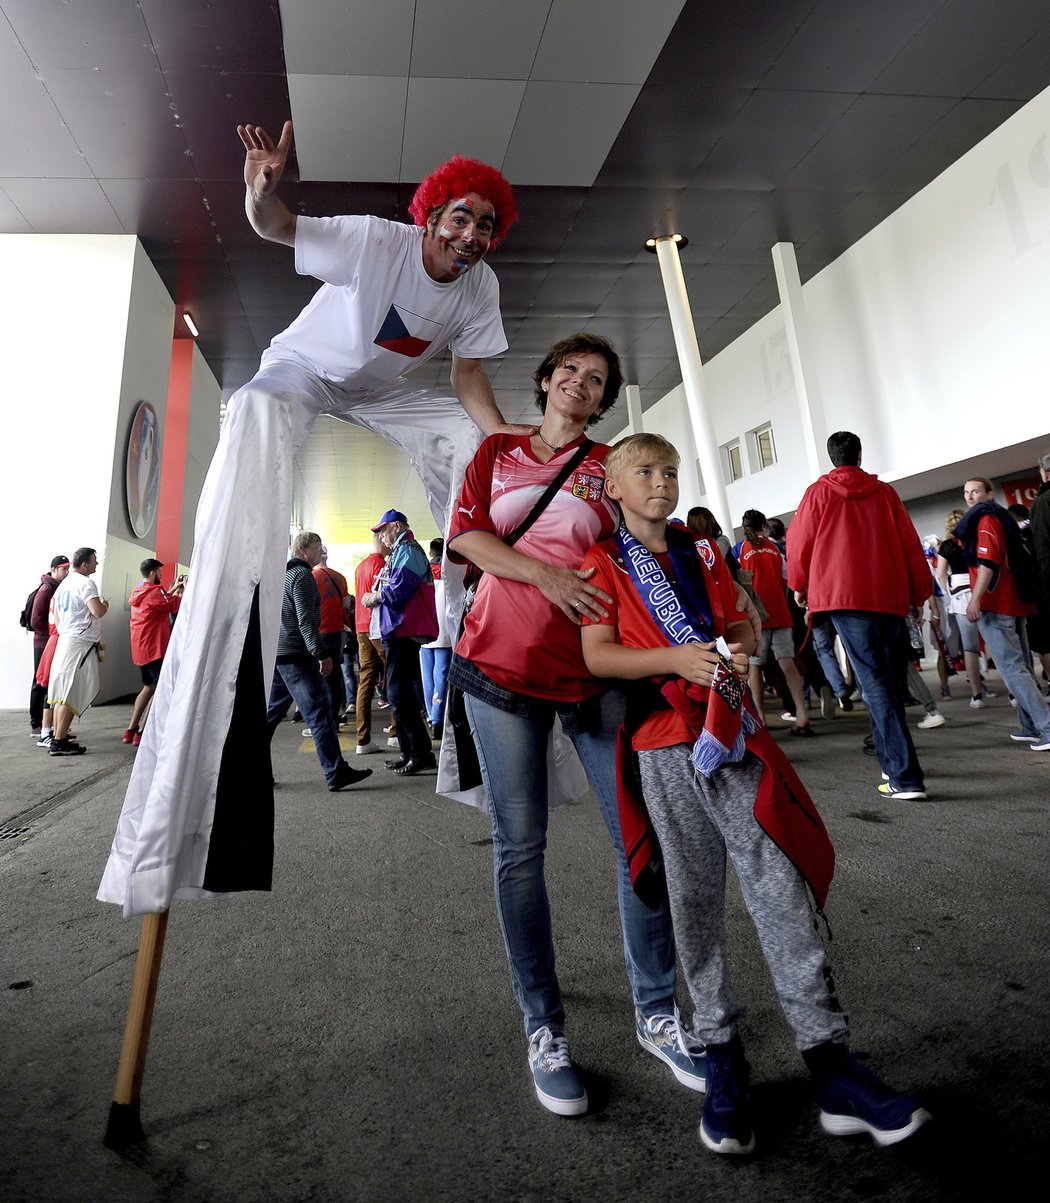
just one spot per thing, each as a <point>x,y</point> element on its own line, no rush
<point>378,314</point>
<point>72,616</point>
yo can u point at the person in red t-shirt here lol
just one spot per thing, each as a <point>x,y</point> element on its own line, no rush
<point>370,654</point>
<point>152,609</point>
<point>519,665</point>
<point>761,556</point>
<point>998,608</point>
<point>335,602</point>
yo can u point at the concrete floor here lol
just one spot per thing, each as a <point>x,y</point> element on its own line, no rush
<point>352,1035</point>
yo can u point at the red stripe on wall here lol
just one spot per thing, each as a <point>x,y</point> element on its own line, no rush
<point>173,459</point>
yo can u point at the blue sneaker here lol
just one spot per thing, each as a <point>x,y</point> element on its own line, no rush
<point>853,1100</point>
<point>663,1036</point>
<point>725,1126</point>
<point>558,1084</point>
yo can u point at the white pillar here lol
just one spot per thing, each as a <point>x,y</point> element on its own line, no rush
<point>633,396</point>
<point>693,380</point>
<point>800,349</point>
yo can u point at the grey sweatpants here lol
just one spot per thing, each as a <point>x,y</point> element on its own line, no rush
<point>697,820</point>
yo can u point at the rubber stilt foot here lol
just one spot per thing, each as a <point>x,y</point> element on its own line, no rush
<point>124,1127</point>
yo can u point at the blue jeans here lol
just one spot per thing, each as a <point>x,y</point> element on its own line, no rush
<point>433,664</point>
<point>301,681</point>
<point>879,650</point>
<point>512,750</point>
<point>333,641</point>
<point>1002,636</point>
<point>823,637</point>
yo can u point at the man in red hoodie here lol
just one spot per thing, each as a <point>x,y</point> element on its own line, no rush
<point>854,554</point>
<point>152,608</point>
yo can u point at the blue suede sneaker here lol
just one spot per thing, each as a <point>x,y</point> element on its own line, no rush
<point>558,1084</point>
<point>853,1101</point>
<point>664,1037</point>
<point>725,1126</point>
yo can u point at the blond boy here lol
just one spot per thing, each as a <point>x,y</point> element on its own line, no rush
<point>714,783</point>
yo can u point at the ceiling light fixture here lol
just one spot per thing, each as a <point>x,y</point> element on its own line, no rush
<point>679,239</point>
<point>190,324</point>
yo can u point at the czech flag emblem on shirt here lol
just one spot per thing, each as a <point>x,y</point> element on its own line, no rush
<point>406,333</point>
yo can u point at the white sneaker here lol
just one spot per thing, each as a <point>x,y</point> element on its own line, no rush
<point>976,704</point>
<point>933,719</point>
<point>392,741</point>
<point>367,749</point>
<point>307,733</point>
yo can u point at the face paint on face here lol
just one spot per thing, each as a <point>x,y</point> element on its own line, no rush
<point>459,264</point>
<point>461,235</point>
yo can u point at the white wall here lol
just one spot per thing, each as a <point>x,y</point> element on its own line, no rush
<point>930,335</point>
<point>64,311</point>
<point>87,326</point>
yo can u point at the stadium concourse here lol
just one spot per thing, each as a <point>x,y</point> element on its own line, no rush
<point>349,1036</point>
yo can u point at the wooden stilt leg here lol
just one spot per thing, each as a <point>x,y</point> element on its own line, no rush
<point>124,1126</point>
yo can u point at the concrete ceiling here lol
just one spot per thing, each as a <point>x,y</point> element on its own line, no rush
<point>740,123</point>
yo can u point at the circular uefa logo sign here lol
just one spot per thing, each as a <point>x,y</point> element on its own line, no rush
<point>142,469</point>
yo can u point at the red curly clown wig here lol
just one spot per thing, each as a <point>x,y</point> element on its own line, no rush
<point>456,178</point>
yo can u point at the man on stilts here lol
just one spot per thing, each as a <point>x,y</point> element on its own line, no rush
<point>197,817</point>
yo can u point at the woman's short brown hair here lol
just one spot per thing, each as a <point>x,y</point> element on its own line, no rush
<point>581,344</point>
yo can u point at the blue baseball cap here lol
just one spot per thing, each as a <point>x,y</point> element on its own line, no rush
<point>389,516</point>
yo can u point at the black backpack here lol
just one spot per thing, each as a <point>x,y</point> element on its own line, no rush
<point>25,618</point>
<point>1022,565</point>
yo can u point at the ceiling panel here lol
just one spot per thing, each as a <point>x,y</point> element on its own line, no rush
<point>348,37</point>
<point>473,117</point>
<point>64,206</point>
<point>169,213</point>
<point>619,48</point>
<point>771,134</point>
<point>873,133</point>
<point>546,149</point>
<point>12,220</point>
<point>846,47</point>
<point>961,45</point>
<point>34,140</point>
<point>211,104</point>
<point>87,34</point>
<point>474,39</point>
<point>348,126</point>
<point>124,122</point>
<point>205,36</point>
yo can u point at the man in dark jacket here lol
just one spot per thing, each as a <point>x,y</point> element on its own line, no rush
<point>49,582</point>
<point>1039,527</point>
<point>854,554</point>
<point>303,662</point>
